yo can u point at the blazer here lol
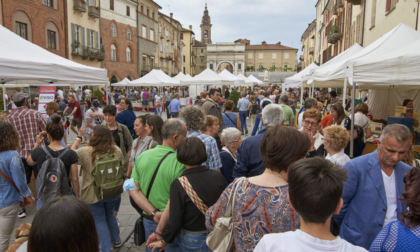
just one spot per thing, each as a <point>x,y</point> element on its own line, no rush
<point>363,213</point>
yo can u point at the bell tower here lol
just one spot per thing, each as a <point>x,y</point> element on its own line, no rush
<point>206,27</point>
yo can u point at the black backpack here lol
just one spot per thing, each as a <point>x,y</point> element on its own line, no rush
<point>254,108</point>
<point>52,179</point>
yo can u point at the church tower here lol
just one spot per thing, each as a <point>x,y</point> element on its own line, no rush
<point>206,27</point>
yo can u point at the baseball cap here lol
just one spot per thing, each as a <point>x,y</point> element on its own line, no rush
<point>19,96</point>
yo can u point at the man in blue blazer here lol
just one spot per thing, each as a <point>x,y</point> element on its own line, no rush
<point>373,188</point>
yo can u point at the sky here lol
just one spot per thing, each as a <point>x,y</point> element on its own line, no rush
<point>268,20</point>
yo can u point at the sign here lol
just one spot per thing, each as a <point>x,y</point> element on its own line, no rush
<point>46,95</point>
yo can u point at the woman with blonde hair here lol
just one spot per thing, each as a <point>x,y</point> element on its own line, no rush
<point>336,139</point>
<point>211,126</point>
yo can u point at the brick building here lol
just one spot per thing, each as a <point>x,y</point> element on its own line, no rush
<point>41,22</point>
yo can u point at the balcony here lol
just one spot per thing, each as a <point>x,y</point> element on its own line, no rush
<point>93,53</point>
<point>94,12</point>
<point>79,5</point>
<point>311,50</point>
<point>84,52</point>
<point>355,2</point>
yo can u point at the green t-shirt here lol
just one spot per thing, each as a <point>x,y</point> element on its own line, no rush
<point>288,114</point>
<point>169,170</point>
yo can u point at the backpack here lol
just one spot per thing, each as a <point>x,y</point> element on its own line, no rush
<point>52,179</point>
<point>254,108</point>
<point>108,176</point>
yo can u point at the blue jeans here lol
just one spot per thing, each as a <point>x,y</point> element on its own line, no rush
<point>106,222</point>
<point>149,228</point>
<point>242,118</point>
<point>257,123</point>
<point>192,242</point>
<point>174,114</point>
<point>168,115</point>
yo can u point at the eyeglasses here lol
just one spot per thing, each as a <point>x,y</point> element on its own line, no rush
<point>310,123</point>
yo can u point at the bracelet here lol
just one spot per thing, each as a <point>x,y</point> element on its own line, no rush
<point>158,234</point>
<point>80,138</point>
<point>154,212</point>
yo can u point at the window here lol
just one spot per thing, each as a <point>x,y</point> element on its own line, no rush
<point>274,56</point>
<point>128,34</point>
<point>111,4</point>
<point>144,31</point>
<point>206,33</point>
<point>90,38</point>
<point>128,10</point>
<point>183,58</point>
<point>152,61</point>
<point>239,66</point>
<point>201,61</point>
<point>286,56</point>
<point>211,66</point>
<point>128,55</point>
<point>261,56</point>
<point>152,35</point>
<point>147,13</point>
<point>144,59</point>
<point>113,53</point>
<point>390,5</point>
<point>373,16</point>
<point>201,50</point>
<point>22,29</point>
<point>182,36</point>
<point>161,47</point>
<point>49,3</point>
<point>113,30</point>
<point>51,39</point>
<point>153,15</point>
<point>141,9</point>
<point>250,55</point>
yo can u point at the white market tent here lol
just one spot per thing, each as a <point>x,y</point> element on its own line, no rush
<point>248,83</point>
<point>255,80</point>
<point>125,82</point>
<point>230,76</point>
<point>295,80</point>
<point>22,62</point>
<point>182,78</point>
<point>209,77</point>
<point>155,78</point>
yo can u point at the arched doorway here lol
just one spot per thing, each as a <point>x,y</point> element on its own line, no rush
<point>223,66</point>
<point>114,79</point>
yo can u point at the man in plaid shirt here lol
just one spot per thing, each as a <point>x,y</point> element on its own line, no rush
<point>28,124</point>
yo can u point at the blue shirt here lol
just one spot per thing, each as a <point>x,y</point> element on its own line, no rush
<point>11,165</point>
<point>127,117</point>
<point>243,104</point>
<point>174,106</point>
<point>213,157</point>
<point>229,119</point>
<point>249,157</point>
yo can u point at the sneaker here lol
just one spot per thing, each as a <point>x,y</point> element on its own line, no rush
<point>118,244</point>
<point>246,132</point>
<point>22,213</point>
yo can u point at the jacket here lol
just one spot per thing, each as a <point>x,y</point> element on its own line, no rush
<point>210,107</point>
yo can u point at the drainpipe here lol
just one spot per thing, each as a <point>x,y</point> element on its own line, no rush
<point>2,14</point>
<point>363,26</point>
<point>66,44</point>
<point>417,16</point>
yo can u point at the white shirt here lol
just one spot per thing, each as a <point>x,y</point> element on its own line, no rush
<point>299,241</point>
<point>95,120</point>
<point>60,93</point>
<point>338,158</point>
<point>391,197</point>
<point>265,99</point>
<point>300,120</point>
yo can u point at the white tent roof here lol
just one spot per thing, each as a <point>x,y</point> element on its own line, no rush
<point>124,82</point>
<point>331,74</point>
<point>230,76</point>
<point>295,80</point>
<point>182,78</point>
<point>247,81</point>
<point>254,79</point>
<point>209,77</point>
<point>156,78</point>
<point>22,62</point>
<point>392,59</point>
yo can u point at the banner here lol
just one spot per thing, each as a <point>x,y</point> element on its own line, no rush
<point>46,95</point>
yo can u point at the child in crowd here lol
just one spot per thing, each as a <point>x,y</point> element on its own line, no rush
<point>315,188</point>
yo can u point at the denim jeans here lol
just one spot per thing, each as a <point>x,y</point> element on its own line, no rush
<point>193,242</point>
<point>106,222</point>
<point>168,115</point>
<point>242,118</point>
<point>149,228</point>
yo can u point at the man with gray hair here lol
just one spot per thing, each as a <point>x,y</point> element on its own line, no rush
<point>289,116</point>
<point>309,103</point>
<point>163,157</point>
<point>372,192</point>
<point>248,155</point>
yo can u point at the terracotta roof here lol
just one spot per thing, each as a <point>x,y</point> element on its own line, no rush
<point>269,47</point>
<point>199,44</point>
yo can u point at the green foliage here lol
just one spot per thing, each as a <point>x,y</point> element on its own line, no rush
<point>273,68</point>
<point>249,69</point>
<point>99,94</point>
<point>235,96</point>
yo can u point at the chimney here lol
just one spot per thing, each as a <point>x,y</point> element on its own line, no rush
<point>264,43</point>
<point>172,15</point>
<point>190,27</point>
<point>279,43</point>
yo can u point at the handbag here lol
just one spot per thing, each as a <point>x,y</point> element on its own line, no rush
<point>139,233</point>
<point>234,123</point>
<point>221,238</point>
<point>25,201</point>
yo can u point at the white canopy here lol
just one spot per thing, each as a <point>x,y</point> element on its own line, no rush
<point>295,80</point>
<point>183,79</point>
<point>254,79</point>
<point>248,83</point>
<point>156,78</point>
<point>230,76</point>
<point>22,62</point>
<point>209,77</point>
<point>125,82</point>
<point>331,74</point>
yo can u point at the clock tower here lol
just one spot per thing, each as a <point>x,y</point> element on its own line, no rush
<point>206,27</point>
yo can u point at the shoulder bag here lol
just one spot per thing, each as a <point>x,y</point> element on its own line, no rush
<point>139,233</point>
<point>231,119</point>
<point>221,238</point>
<point>198,202</point>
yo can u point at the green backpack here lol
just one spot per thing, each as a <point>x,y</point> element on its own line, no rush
<point>108,176</point>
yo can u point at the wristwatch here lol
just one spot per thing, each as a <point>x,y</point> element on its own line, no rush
<point>154,212</point>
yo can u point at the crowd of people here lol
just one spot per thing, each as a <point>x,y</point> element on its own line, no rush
<point>287,181</point>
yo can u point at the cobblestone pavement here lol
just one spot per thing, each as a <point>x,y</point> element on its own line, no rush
<point>127,216</point>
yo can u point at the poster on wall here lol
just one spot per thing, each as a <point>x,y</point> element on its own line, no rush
<point>46,95</point>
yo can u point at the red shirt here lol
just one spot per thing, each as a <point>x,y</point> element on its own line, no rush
<point>327,121</point>
<point>28,124</point>
<point>78,113</point>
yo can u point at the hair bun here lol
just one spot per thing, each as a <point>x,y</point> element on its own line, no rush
<point>56,119</point>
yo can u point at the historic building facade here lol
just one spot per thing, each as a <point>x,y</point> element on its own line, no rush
<point>308,45</point>
<point>187,37</point>
<point>230,56</point>
<point>169,44</point>
<point>206,27</point>
<point>41,22</point>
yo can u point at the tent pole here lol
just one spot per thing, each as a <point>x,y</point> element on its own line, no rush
<point>345,92</point>
<point>301,94</point>
<point>4,98</point>
<point>353,95</point>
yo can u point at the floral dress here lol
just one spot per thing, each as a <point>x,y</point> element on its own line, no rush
<point>258,210</point>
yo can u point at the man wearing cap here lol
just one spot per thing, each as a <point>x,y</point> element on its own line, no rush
<point>28,124</point>
<point>76,113</point>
